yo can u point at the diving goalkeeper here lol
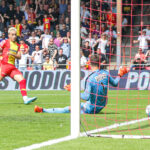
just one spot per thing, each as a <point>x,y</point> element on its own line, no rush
<point>96,89</point>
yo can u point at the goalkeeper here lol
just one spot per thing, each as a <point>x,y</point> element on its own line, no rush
<point>96,89</point>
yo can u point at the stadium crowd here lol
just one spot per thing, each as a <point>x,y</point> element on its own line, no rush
<point>43,30</point>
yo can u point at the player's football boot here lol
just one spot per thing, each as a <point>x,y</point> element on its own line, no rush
<point>68,87</point>
<point>29,100</point>
<point>122,71</point>
<point>38,109</point>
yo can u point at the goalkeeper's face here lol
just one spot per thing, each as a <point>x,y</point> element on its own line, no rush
<point>13,35</point>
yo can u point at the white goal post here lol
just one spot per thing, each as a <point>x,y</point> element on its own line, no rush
<point>75,68</point>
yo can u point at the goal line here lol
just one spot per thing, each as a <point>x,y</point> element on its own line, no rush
<point>92,134</point>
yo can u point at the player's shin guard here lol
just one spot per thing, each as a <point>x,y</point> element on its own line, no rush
<point>22,85</point>
<point>57,110</point>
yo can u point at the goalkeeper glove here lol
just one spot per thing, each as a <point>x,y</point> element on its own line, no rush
<point>122,71</point>
<point>68,87</point>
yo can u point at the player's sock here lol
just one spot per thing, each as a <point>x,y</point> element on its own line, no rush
<point>23,91</point>
<point>57,110</point>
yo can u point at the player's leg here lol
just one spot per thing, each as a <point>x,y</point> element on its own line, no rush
<point>17,76</point>
<point>52,110</point>
<point>3,72</point>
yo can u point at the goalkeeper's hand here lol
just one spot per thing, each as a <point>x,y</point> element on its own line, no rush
<point>122,71</point>
<point>68,87</point>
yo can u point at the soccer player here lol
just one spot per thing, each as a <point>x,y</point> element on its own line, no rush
<point>10,51</point>
<point>96,88</point>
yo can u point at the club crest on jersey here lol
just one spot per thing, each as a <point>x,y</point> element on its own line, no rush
<point>100,77</point>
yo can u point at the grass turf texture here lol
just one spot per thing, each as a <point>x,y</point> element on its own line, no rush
<point>20,126</point>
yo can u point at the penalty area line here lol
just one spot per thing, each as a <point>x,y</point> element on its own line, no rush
<point>47,143</point>
<point>67,138</point>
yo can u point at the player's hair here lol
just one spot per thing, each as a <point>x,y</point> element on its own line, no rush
<point>11,29</point>
<point>96,61</point>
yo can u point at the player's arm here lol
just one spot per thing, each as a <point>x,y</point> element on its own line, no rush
<point>114,82</point>
<point>17,56</point>
<point>86,94</point>
<point>2,45</point>
<point>122,71</point>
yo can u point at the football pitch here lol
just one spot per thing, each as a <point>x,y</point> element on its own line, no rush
<point>20,126</point>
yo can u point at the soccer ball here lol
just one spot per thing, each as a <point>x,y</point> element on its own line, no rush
<point>148,110</point>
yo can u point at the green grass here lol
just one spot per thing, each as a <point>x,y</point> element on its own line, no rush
<point>20,126</point>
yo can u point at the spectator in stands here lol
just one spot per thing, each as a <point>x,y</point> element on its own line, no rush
<point>143,41</point>
<point>52,49</point>
<point>124,25</point>
<point>18,27</point>
<point>48,64</point>
<point>45,39</point>
<point>84,33</point>
<point>33,37</point>
<point>139,60</point>
<point>37,57</point>
<point>3,37</point>
<point>66,47</point>
<point>23,47</point>
<point>19,14</point>
<point>86,50</point>
<point>3,8</point>
<point>83,60</point>
<point>126,9</point>
<point>147,30</point>
<point>90,39</point>
<point>61,60</point>
<point>58,39</point>
<point>64,31</point>
<point>97,30</point>
<point>9,14</point>
<point>85,14</point>
<point>102,43</point>
<point>1,23</point>
<point>56,30</point>
<point>11,24</point>
<point>54,15</point>
<point>23,61</point>
<point>25,32</point>
<point>40,25</point>
<point>86,24</point>
<point>63,6</point>
<point>30,14</point>
<point>113,7</point>
<point>47,22</point>
<point>67,22</point>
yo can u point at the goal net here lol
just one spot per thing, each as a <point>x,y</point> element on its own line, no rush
<point>120,30</point>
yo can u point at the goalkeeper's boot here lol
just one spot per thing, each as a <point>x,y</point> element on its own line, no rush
<point>68,87</point>
<point>28,100</point>
<point>38,109</point>
<point>122,71</point>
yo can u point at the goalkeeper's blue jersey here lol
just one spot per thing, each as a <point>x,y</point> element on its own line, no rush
<point>96,87</point>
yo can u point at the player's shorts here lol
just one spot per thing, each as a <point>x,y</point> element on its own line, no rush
<point>88,108</point>
<point>9,70</point>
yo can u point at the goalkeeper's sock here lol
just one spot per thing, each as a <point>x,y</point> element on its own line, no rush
<point>57,110</point>
<point>22,85</point>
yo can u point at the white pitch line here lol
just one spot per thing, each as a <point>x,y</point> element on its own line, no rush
<point>47,143</point>
<point>67,138</point>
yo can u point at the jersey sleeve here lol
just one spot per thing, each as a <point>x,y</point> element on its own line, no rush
<point>86,94</point>
<point>2,44</point>
<point>114,82</point>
